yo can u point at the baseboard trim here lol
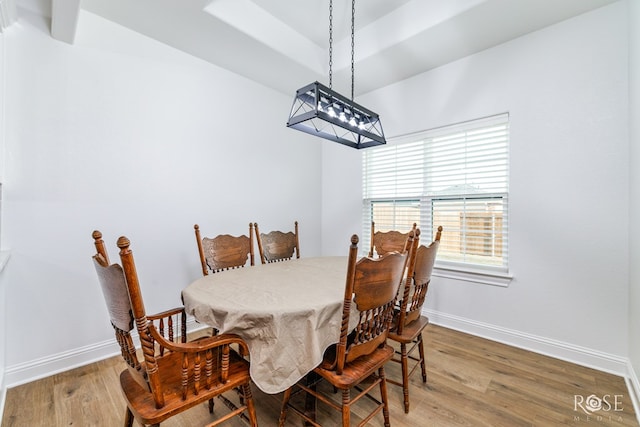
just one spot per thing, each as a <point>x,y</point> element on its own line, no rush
<point>3,395</point>
<point>584,356</point>
<point>633,384</point>
<point>560,350</point>
<point>33,370</point>
<point>41,368</point>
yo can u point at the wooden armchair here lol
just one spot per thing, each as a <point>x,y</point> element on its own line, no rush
<point>174,375</point>
<point>383,242</point>
<point>408,322</point>
<point>371,288</point>
<point>277,246</point>
<point>224,251</point>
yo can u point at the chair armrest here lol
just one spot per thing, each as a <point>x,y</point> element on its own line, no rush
<point>166,313</point>
<point>199,345</point>
<point>165,321</point>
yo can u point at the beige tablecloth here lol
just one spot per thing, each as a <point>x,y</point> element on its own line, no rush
<point>288,313</point>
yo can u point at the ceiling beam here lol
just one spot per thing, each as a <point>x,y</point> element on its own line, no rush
<point>64,19</point>
<point>251,19</point>
<point>7,14</point>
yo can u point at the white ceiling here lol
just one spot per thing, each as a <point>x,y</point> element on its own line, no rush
<point>283,44</point>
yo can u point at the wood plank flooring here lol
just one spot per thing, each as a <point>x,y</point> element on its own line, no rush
<point>471,382</point>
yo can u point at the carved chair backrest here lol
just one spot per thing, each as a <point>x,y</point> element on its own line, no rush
<point>383,242</point>
<point>122,294</point>
<point>116,294</point>
<point>278,246</point>
<point>224,252</point>
<point>371,288</point>
<point>417,283</point>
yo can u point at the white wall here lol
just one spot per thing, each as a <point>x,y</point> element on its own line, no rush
<point>125,135</point>
<point>634,190</point>
<point>565,88</point>
<point>341,197</point>
<point>129,136</point>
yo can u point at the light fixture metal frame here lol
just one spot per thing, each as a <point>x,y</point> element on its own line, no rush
<point>320,111</point>
<point>351,124</point>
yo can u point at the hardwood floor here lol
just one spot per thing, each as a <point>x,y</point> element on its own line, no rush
<point>471,382</point>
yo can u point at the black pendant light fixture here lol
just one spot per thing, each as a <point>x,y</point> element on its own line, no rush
<point>318,110</point>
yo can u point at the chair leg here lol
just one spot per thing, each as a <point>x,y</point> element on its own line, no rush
<point>248,397</point>
<point>404,357</point>
<point>383,395</point>
<point>346,408</point>
<point>283,410</point>
<point>240,393</point>
<point>128,418</point>
<point>422,358</point>
<point>211,406</point>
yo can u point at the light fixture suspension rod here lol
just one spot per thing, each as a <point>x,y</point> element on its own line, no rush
<point>330,43</point>
<point>353,20</point>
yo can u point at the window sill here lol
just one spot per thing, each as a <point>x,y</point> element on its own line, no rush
<point>475,276</point>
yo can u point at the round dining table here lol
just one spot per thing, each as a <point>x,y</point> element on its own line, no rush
<point>287,312</point>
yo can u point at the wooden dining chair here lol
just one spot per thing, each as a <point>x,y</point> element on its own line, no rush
<point>383,242</point>
<point>371,289</point>
<point>278,246</point>
<point>408,322</point>
<point>224,251</point>
<point>174,375</point>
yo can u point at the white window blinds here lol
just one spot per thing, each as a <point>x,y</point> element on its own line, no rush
<point>456,177</point>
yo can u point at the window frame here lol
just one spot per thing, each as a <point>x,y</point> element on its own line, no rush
<point>498,275</point>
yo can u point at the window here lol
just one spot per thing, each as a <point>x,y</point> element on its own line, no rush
<point>457,177</point>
